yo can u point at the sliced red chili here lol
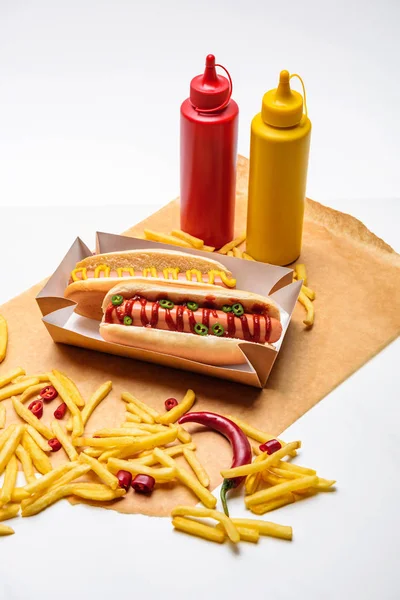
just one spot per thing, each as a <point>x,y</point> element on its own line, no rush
<point>271,446</point>
<point>60,411</point>
<point>170,403</point>
<point>143,484</point>
<point>124,479</point>
<point>54,444</point>
<point>36,408</point>
<point>48,393</point>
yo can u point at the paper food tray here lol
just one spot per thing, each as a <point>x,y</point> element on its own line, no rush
<point>67,327</point>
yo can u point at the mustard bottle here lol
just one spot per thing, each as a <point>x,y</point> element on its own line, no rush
<point>279,149</point>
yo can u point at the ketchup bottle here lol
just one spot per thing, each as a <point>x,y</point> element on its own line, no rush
<point>209,128</point>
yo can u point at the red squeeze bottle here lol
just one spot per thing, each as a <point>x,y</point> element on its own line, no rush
<point>209,129</point>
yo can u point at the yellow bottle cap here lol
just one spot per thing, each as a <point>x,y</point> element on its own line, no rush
<point>282,107</point>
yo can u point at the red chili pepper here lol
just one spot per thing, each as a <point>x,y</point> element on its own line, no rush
<point>143,484</point>
<point>60,411</point>
<point>271,446</point>
<point>36,408</point>
<point>54,444</point>
<point>240,444</point>
<point>124,479</point>
<point>170,403</point>
<point>48,393</point>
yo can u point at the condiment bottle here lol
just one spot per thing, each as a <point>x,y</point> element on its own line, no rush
<point>279,149</point>
<point>209,129</point>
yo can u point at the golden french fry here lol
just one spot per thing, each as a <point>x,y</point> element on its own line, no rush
<point>138,412</point>
<point>118,431</point>
<point>41,377</point>
<point>264,496</point>
<point>247,534</point>
<point>3,415</point>
<point>253,480</point>
<point>186,237</point>
<point>156,236</point>
<point>65,395</point>
<point>261,509</point>
<point>39,439</point>
<point>308,305</point>
<point>6,434</point>
<point>283,532</point>
<point>230,245</point>
<point>301,272</point>
<point>31,391</point>
<point>94,491</point>
<point>199,529</point>
<point>287,466</point>
<point>196,467</point>
<point>150,460</point>
<point>129,417</point>
<point>191,482</point>
<point>39,458</point>
<point>30,418</point>
<point>94,452</point>
<point>147,443</point>
<point>110,442</point>
<point>94,400</point>
<point>256,434</point>
<point>237,253</point>
<point>27,465</point>
<point>10,446</point>
<point>16,388</point>
<point>208,248</point>
<point>72,389</point>
<point>100,470</point>
<point>4,530</point>
<point>130,399</point>
<point>64,440</point>
<point>229,253</point>
<point>308,292</point>
<point>183,435</point>
<point>10,478</point>
<point>161,475</point>
<point>150,428</point>
<point>9,512</point>
<point>178,411</point>
<point>268,477</point>
<point>206,513</point>
<point>3,338</point>
<point>6,379</point>
<point>262,465</point>
<point>47,480</point>
<point>18,495</point>
<point>247,256</point>
<point>131,426</point>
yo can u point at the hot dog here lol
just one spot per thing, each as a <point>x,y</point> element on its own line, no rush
<point>205,323</point>
<point>94,276</point>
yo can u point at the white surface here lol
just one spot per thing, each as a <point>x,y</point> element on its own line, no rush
<point>81,124</point>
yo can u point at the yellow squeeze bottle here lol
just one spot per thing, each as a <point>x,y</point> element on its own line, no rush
<point>279,149</point>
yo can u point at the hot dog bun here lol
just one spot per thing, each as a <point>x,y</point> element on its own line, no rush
<point>88,293</point>
<point>208,349</point>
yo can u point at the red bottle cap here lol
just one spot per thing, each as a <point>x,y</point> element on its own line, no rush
<point>210,92</point>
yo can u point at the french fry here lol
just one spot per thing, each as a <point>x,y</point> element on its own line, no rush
<point>253,480</point>
<point>256,434</point>
<point>287,466</point>
<point>5,530</point>
<point>262,465</point>
<point>10,446</point>
<point>160,475</point>
<point>110,442</point>
<point>308,292</point>
<point>118,431</point>
<point>132,425</point>
<point>93,491</point>
<point>284,532</point>
<point>41,377</point>
<point>151,428</point>
<point>229,253</point>
<point>308,305</point>
<point>271,479</point>
<point>10,478</point>
<point>150,460</point>
<point>100,470</point>
<point>6,434</point>
<point>27,465</point>
<point>94,452</point>
<point>146,443</point>
<point>3,415</point>
<point>18,495</point>
<point>301,272</point>
<point>64,440</point>
<point>156,236</point>
<point>38,438</point>
<point>237,253</point>
<point>208,248</point>
<point>230,245</point>
<point>138,412</point>
<point>3,338</point>
<point>186,237</point>
<point>94,400</point>
<point>6,379</point>
<point>276,491</point>
<point>39,458</point>
<point>9,512</point>
<point>132,418</point>
<point>191,482</point>
<point>261,509</point>
<point>31,391</point>
<point>16,388</point>
<point>65,395</point>
<point>211,534</point>
<point>30,418</point>
<point>206,513</point>
<point>130,399</point>
<point>72,389</point>
<point>247,534</point>
<point>47,480</point>
<point>178,411</point>
<point>247,256</point>
<point>196,467</point>
<point>183,435</point>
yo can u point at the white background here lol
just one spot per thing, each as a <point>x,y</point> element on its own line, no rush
<point>89,117</point>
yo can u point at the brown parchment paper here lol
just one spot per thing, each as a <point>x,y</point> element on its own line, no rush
<point>356,277</point>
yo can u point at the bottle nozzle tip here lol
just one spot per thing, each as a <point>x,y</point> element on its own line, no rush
<point>284,76</point>
<point>210,60</point>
